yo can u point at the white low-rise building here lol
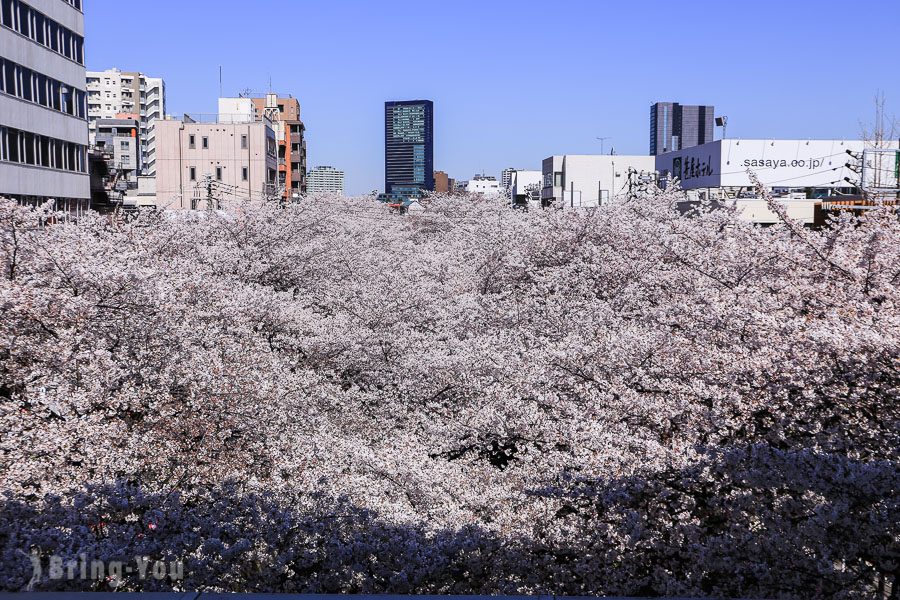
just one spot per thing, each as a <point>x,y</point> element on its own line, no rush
<point>525,188</point>
<point>585,180</point>
<point>485,185</point>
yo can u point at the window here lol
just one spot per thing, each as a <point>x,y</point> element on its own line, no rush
<point>41,96</point>
<point>245,173</point>
<point>10,79</point>
<point>24,20</point>
<point>45,151</point>
<point>39,29</point>
<point>8,13</point>
<point>205,143</point>
<point>218,173</point>
<point>13,145</point>
<point>192,141</point>
<point>192,174</point>
<point>244,142</point>
<point>57,154</point>
<point>28,140</point>
<point>54,95</point>
<point>25,85</point>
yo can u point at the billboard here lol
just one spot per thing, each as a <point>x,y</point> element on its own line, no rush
<point>777,163</point>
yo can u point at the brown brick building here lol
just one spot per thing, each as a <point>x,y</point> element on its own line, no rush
<point>441,182</point>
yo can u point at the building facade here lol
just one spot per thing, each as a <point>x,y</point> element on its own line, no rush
<point>674,126</point>
<point>284,111</point>
<point>587,180</point>
<point>506,177</point>
<point>325,179</point>
<point>484,185</point>
<point>811,168</point>
<point>43,112</point>
<point>408,148</point>
<point>112,93</point>
<point>441,182</point>
<point>525,187</point>
<point>119,139</point>
<point>224,159</point>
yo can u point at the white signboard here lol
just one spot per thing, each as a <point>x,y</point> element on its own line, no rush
<point>777,163</point>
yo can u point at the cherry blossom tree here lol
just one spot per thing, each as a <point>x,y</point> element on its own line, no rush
<point>327,397</point>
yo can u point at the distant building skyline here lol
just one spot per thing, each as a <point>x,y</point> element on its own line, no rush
<point>408,147</point>
<point>325,179</point>
<point>480,124</point>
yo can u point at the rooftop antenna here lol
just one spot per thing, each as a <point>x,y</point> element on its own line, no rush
<point>603,139</point>
<point>220,81</point>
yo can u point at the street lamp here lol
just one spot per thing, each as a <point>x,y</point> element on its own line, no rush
<point>723,123</point>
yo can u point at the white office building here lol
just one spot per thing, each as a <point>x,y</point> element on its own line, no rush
<point>484,185</point>
<point>113,93</point>
<point>43,120</point>
<point>325,179</point>
<point>585,180</point>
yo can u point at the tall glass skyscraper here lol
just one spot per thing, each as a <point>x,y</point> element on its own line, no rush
<point>408,147</point>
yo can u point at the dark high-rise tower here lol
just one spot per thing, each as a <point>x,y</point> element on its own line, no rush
<point>408,147</point>
<point>675,126</point>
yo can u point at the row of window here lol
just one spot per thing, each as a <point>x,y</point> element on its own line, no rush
<point>33,24</point>
<point>32,86</point>
<point>75,3</point>
<point>204,140</point>
<point>192,173</point>
<point>28,148</point>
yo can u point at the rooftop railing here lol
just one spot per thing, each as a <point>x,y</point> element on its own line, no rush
<point>225,118</point>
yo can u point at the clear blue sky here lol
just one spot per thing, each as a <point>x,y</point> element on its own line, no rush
<point>513,81</point>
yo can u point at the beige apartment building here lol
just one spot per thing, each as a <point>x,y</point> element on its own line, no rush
<point>232,158</point>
